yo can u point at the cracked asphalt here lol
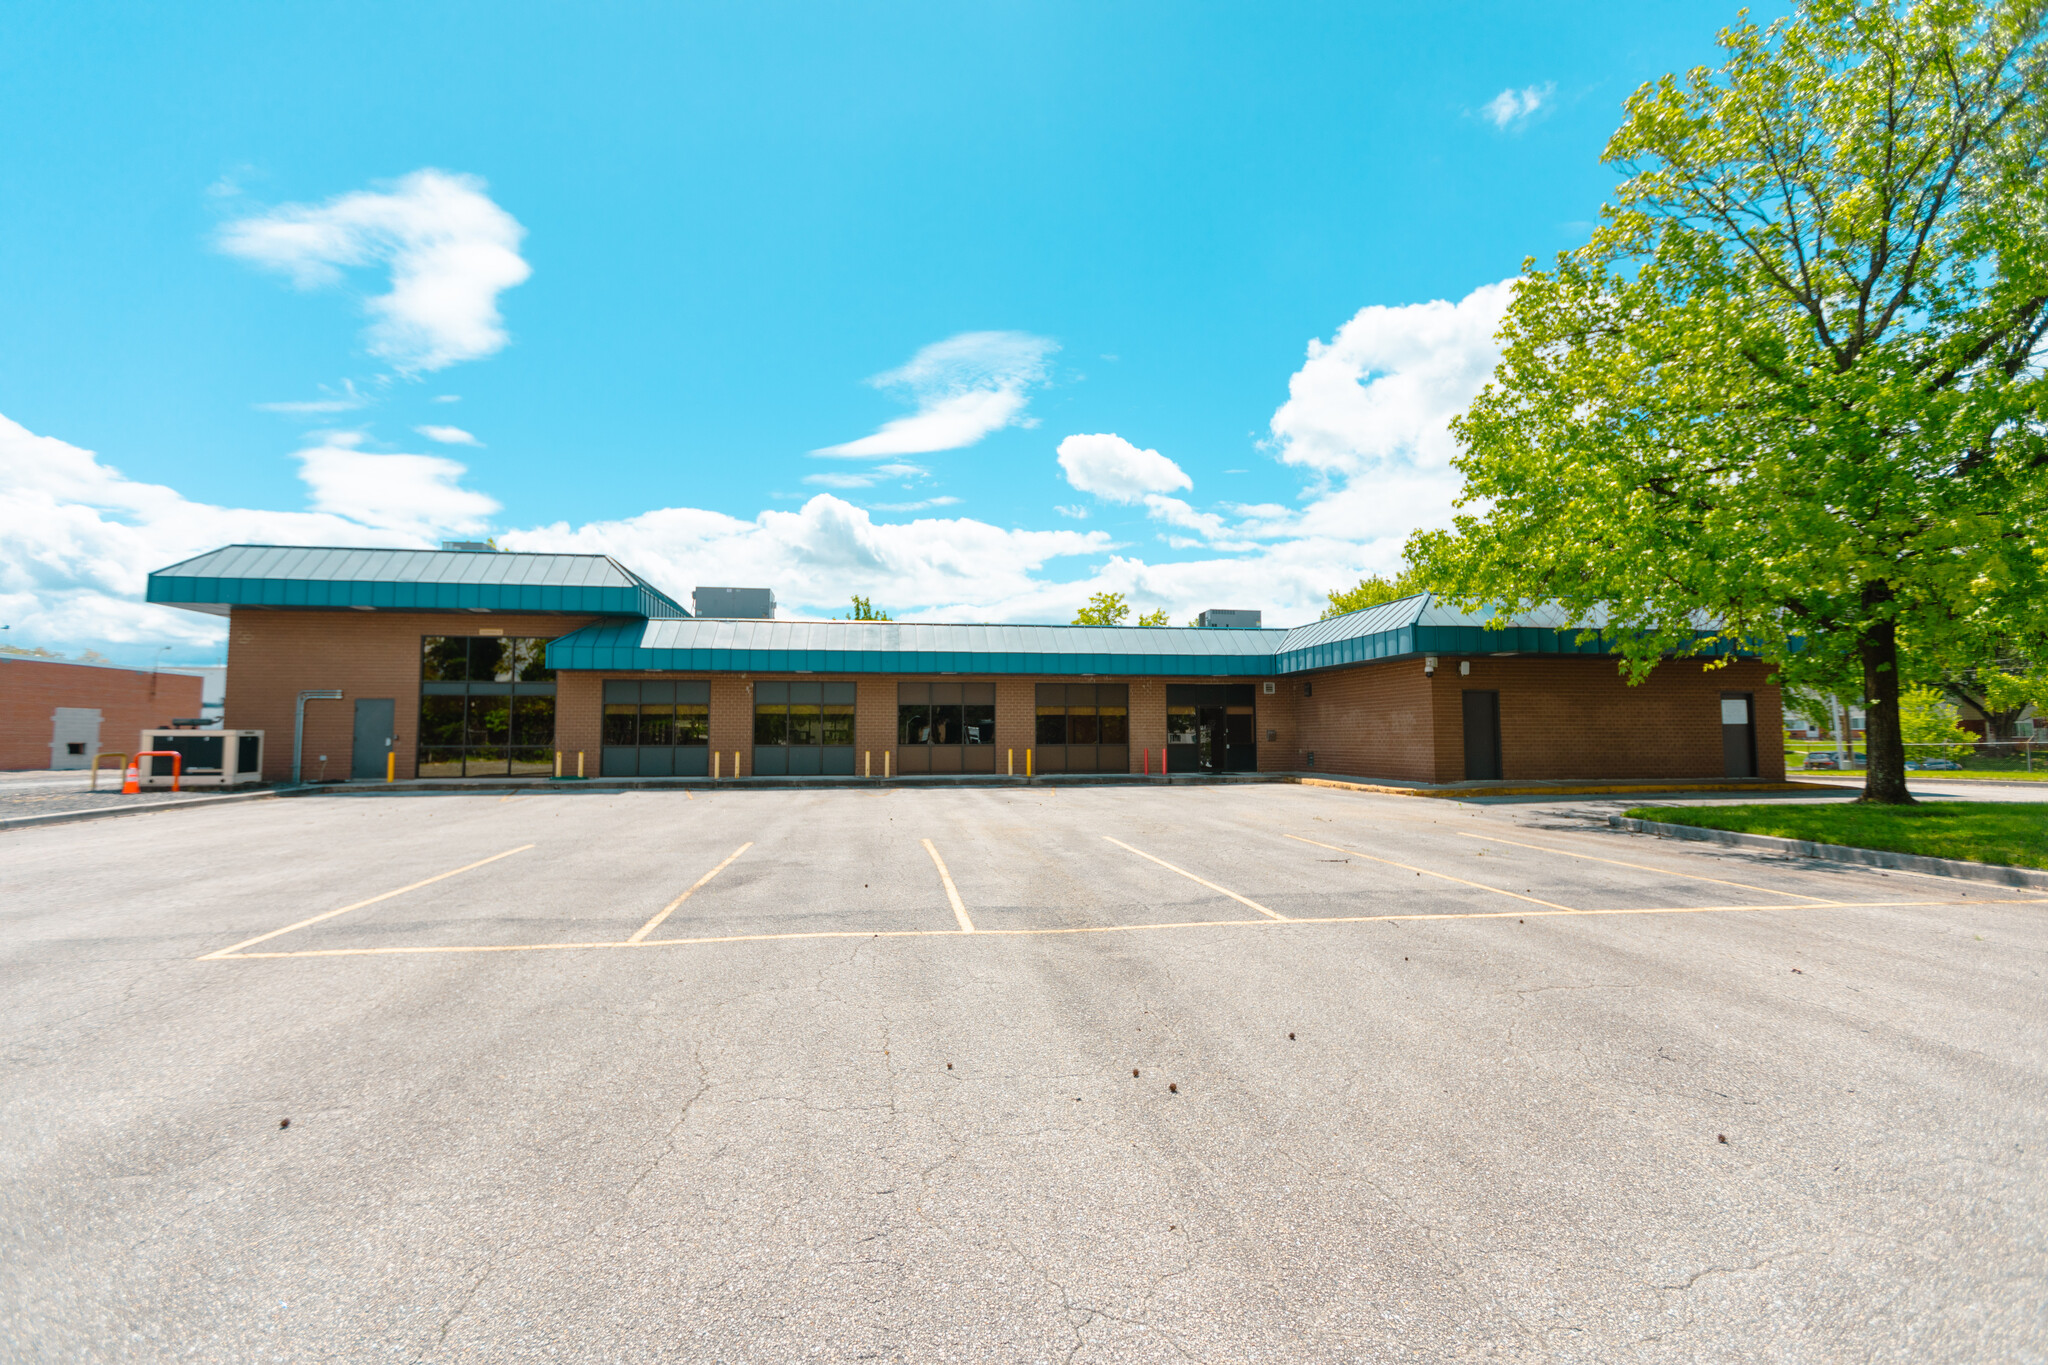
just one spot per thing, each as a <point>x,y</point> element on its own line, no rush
<point>1442,1082</point>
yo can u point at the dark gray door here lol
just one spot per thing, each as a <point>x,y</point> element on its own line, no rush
<point>1738,734</point>
<point>374,738</point>
<point>1482,736</point>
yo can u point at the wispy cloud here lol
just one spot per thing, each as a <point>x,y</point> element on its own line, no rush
<point>448,436</point>
<point>1512,108</point>
<point>964,387</point>
<point>450,250</point>
<point>947,501</point>
<point>866,477</point>
<point>347,400</point>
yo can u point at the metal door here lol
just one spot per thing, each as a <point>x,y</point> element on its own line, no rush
<point>374,738</point>
<point>1738,734</point>
<point>1482,736</point>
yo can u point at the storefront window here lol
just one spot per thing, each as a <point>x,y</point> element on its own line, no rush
<point>656,728</point>
<point>487,706</point>
<point>803,729</point>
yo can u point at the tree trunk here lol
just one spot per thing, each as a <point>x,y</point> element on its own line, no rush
<point>1884,782</point>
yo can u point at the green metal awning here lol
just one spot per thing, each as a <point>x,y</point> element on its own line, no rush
<point>315,578</point>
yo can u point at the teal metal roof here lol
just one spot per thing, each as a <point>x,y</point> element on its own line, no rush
<point>328,577</point>
<point>896,647</point>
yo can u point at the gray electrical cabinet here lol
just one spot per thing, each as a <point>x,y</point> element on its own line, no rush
<point>210,758</point>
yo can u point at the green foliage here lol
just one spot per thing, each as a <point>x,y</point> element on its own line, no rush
<point>1103,609</point>
<point>1927,716</point>
<point>1154,618</point>
<point>1786,393</point>
<point>2010,833</point>
<point>1374,589</point>
<point>864,610</point>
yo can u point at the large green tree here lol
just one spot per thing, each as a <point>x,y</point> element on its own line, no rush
<point>1790,392</point>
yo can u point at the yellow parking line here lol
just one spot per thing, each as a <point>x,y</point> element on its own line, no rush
<point>1642,867</point>
<point>952,891</point>
<point>1405,867</point>
<point>1193,878</point>
<point>695,887</point>
<point>261,938</point>
<point>1268,923</point>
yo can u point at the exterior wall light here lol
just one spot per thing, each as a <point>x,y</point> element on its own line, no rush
<point>1429,665</point>
<point>1464,668</point>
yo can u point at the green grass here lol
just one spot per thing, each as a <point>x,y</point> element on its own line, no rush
<point>2003,768</point>
<point>2014,834</point>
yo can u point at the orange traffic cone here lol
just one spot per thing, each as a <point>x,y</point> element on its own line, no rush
<point>131,781</point>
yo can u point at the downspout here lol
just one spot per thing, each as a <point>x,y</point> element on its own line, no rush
<point>299,724</point>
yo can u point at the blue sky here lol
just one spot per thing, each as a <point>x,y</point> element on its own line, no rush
<point>1166,299</point>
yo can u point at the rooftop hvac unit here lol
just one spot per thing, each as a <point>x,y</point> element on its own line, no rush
<point>742,604</point>
<point>1230,620</point>
<point>211,758</point>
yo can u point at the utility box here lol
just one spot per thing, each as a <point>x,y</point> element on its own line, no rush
<point>1238,620</point>
<point>212,758</point>
<point>735,604</point>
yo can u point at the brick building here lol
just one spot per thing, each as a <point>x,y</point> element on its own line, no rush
<point>58,715</point>
<point>478,664</point>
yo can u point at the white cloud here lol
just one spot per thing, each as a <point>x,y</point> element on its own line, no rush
<point>1110,467</point>
<point>78,539</point>
<point>447,398</point>
<point>866,477</point>
<point>1364,419</point>
<point>1512,108</point>
<point>450,249</point>
<point>1382,390</point>
<point>965,387</point>
<point>448,436</point>
<point>347,400</point>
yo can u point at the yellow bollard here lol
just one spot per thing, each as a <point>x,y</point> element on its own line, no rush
<point>558,765</point>
<point>735,762</point>
<point>1013,764</point>
<point>867,758</point>
<point>715,756</point>
<point>885,763</point>
<point>579,763</point>
<point>1027,763</point>
<point>391,766</point>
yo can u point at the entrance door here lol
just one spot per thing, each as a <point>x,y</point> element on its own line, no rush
<point>1482,736</point>
<point>1210,722</point>
<point>1738,734</point>
<point>374,738</point>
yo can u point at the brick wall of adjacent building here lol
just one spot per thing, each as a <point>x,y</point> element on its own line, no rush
<point>129,701</point>
<point>275,655</point>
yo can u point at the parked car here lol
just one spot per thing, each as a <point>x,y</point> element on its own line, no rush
<point>1828,761</point>
<point>1945,764</point>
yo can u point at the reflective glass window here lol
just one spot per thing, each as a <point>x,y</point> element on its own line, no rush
<point>657,724</point>
<point>771,724</point>
<point>1180,725</point>
<point>490,721</point>
<point>1080,724</point>
<point>1113,724</point>
<point>803,723</point>
<point>913,723</point>
<point>533,721</point>
<point>979,724</point>
<point>1052,724</point>
<point>945,724</point>
<point>490,659</point>
<point>444,658</point>
<point>530,660</point>
<point>441,721</point>
<point>838,723</point>
<point>621,724</point>
<point>693,724</point>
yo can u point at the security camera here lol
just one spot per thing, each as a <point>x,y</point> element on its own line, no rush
<point>1429,665</point>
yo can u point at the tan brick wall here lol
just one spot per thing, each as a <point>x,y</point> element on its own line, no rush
<point>1560,717</point>
<point>129,701</point>
<point>275,655</point>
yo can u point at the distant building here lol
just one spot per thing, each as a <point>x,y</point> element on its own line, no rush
<point>58,715</point>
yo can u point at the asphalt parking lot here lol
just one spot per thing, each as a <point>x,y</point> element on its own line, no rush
<point>1224,1074</point>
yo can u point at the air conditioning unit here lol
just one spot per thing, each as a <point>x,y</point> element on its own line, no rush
<point>211,758</point>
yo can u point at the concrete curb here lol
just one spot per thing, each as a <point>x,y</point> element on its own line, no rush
<point>1564,788</point>
<point>1843,853</point>
<point>61,817</point>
